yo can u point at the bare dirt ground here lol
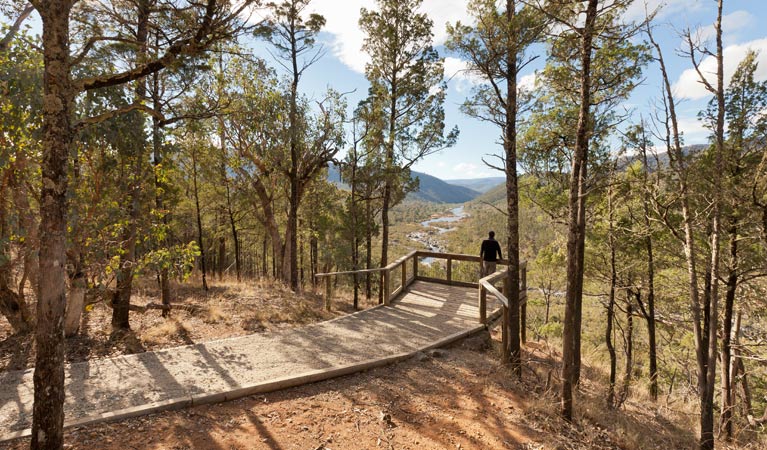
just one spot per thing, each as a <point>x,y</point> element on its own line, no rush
<point>457,398</point>
<point>228,309</point>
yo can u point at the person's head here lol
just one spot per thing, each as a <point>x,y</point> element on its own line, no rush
<point>492,235</point>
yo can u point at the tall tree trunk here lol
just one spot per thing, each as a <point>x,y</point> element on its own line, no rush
<point>707,393</point>
<point>291,240</point>
<point>196,194</point>
<point>649,314</point>
<point>576,223</point>
<point>221,263</point>
<point>512,194</point>
<point>384,237</point>
<point>629,348</point>
<point>701,340</point>
<point>124,289</point>
<point>235,239</point>
<point>160,189</point>
<point>368,249</point>
<point>58,95</point>
<point>127,257</point>
<point>388,179</point>
<point>611,401</point>
<point>264,257</point>
<point>728,401</point>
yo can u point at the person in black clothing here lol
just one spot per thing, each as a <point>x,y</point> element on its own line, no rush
<point>490,252</point>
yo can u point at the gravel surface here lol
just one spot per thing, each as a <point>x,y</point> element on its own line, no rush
<point>425,315</point>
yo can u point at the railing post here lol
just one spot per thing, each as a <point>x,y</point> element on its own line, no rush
<point>415,267</point>
<point>328,292</point>
<point>505,336</point>
<point>387,288</point>
<point>449,270</point>
<point>482,304</point>
<point>404,275</point>
<point>523,302</point>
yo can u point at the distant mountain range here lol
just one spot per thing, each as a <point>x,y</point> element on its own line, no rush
<point>481,185</point>
<point>432,189</point>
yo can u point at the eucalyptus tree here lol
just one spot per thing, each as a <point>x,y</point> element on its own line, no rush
<point>195,28</point>
<point>704,309</point>
<point>745,130</point>
<point>495,48</point>
<point>406,77</point>
<point>593,46</point>
<point>293,34</point>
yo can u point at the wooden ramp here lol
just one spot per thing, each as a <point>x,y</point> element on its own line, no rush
<point>427,315</point>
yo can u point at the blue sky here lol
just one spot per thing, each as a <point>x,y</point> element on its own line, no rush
<point>342,68</point>
<point>343,65</point>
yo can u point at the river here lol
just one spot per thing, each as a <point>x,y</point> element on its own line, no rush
<point>430,237</point>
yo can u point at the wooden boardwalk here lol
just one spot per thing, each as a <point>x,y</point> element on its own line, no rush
<point>427,315</point>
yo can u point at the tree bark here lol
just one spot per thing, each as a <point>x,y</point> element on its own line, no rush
<point>610,304</point>
<point>576,223</point>
<point>58,95</point>
<point>650,313</point>
<point>196,194</point>
<point>728,401</point>
<point>512,194</point>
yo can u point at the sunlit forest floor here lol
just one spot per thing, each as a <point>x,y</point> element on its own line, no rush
<point>228,309</point>
<point>461,397</point>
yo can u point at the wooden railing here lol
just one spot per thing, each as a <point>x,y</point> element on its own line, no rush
<point>413,258</point>
<point>487,285</point>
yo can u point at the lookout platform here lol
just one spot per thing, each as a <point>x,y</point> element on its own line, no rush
<point>417,316</point>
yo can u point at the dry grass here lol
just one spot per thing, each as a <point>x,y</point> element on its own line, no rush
<point>228,309</point>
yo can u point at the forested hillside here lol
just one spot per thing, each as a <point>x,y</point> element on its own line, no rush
<point>429,188</point>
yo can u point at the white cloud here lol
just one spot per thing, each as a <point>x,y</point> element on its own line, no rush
<point>689,86</point>
<point>527,82</point>
<point>343,24</point>
<point>471,170</point>
<point>693,130</point>
<point>638,9</point>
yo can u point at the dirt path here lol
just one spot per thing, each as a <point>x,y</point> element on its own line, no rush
<point>231,368</point>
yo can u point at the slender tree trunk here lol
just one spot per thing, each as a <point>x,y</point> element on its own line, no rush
<point>512,195</point>
<point>160,189</point>
<point>701,349</point>
<point>264,257</point>
<point>388,177</point>
<point>291,240</point>
<point>58,95</point>
<point>629,346</point>
<point>127,258</point>
<point>611,304</point>
<point>124,288</point>
<point>707,393</point>
<point>221,263</point>
<point>235,239</point>
<point>384,238</point>
<point>650,313</point>
<point>728,401</point>
<point>355,231</point>
<point>368,250</point>
<point>576,223</point>
<point>196,194</point>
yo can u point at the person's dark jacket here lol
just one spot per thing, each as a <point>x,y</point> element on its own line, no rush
<point>491,250</point>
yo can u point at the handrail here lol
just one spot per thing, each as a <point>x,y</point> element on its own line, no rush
<point>388,293</point>
<point>390,266</point>
<point>486,285</point>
